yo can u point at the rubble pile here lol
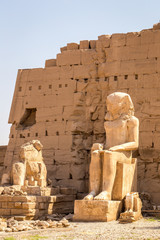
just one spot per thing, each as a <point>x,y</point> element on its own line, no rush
<point>13,225</point>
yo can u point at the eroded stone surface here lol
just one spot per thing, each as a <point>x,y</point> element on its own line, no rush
<point>133,207</point>
<point>122,137</point>
<point>30,170</point>
<point>63,105</point>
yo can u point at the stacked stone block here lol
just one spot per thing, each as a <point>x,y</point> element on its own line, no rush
<point>2,156</point>
<point>68,97</point>
<point>34,206</point>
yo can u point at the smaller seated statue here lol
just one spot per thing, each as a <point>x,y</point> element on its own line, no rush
<point>30,170</point>
<point>132,207</point>
<point>121,138</point>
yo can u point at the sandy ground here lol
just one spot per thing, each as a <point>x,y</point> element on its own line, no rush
<point>146,228</point>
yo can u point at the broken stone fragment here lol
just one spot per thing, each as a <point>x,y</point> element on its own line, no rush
<point>3,225</point>
<point>8,229</point>
<point>133,207</point>
<point>59,225</point>
<point>43,224</point>
<point>64,222</point>
<point>53,224</point>
<point>156,26</point>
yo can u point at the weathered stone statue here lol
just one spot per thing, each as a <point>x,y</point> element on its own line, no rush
<point>122,130</point>
<point>132,207</point>
<point>25,192</point>
<point>30,170</point>
<point>112,171</point>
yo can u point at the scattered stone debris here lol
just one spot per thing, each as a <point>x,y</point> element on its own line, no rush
<point>12,190</point>
<point>12,225</point>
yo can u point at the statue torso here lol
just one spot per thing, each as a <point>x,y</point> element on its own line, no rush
<point>116,132</point>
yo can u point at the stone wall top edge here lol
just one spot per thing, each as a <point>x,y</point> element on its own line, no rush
<point>3,146</point>
<point>137,32</point>
<point>28,69</point>
<point>113,34</point>
<point>82,45</point>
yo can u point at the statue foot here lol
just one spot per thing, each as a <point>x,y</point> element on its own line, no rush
<point>103,196</point>
<point>90,196</point>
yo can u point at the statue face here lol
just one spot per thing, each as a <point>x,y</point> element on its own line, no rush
<point>113,107</point>
<point>118,103</point>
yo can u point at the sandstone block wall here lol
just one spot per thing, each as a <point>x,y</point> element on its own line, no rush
<point>2,156</point>
<point>35,206</point>
<point>63,105</point>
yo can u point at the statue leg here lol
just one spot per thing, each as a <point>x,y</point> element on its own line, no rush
<point>109,173</point>
<point>18,173</point>
<point>94,175</point>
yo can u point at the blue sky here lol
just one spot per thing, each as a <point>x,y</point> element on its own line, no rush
<point>34,30</point>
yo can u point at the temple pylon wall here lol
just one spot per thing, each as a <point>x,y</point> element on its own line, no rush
<point>63,105</point>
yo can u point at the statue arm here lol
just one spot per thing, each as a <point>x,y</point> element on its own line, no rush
<point>133,137</point>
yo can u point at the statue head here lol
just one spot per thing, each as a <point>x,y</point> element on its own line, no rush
<point>119,105</point>
<point>31,151</point>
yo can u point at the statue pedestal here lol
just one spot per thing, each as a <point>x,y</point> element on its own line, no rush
<point>96,210</point>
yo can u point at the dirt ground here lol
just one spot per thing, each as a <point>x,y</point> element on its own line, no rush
<point>146,228</point>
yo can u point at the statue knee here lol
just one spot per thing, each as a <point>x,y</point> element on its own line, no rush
<point>97,146</point>
<point>95,154</point>
<point>108,155</point>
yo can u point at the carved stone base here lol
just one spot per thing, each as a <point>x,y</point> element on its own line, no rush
<point>95,210</point>
<point>129,216</point>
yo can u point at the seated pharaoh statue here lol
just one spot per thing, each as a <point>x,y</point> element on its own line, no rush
<point>122,135</point>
